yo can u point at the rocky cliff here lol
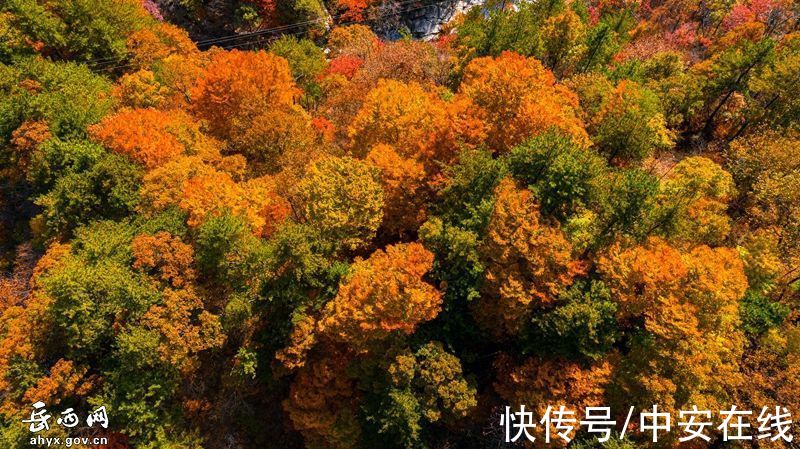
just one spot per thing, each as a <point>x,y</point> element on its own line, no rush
<point>426,22</point>
<point>216,17</point>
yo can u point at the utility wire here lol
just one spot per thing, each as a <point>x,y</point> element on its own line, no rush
<point>96,64</point>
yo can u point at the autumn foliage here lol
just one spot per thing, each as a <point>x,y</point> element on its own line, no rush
<point>528,263</point>
<point>153,137</point>
<point>519,98</point>
<point>382,295</point>
<point>260,223</point>
<point>237,86</point>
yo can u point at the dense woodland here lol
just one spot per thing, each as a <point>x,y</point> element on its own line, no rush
<point>321,239</point>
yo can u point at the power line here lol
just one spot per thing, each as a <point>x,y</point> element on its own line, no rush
<point>96,64</point>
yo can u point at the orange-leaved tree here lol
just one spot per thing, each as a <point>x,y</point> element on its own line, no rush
<point>539,383</point>
<point>528,262</point>
<point>165,256</point>
<point>184,328</point>
<point>153,137</point>
<point>688,350</point>
<point>383,294</point>
<point>323,403</point>
<point>403,189</point>
<point>399,114</point>
<point>520,98</point>
<point>152,44</point>
<point>213,193</point>
<point>237,86</point>
<point>416,122</point>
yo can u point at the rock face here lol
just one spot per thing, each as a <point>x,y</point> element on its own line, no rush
<point>215,18</point>
<point>426,22</point>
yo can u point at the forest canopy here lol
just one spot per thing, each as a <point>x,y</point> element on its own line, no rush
<point>331,236</point>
